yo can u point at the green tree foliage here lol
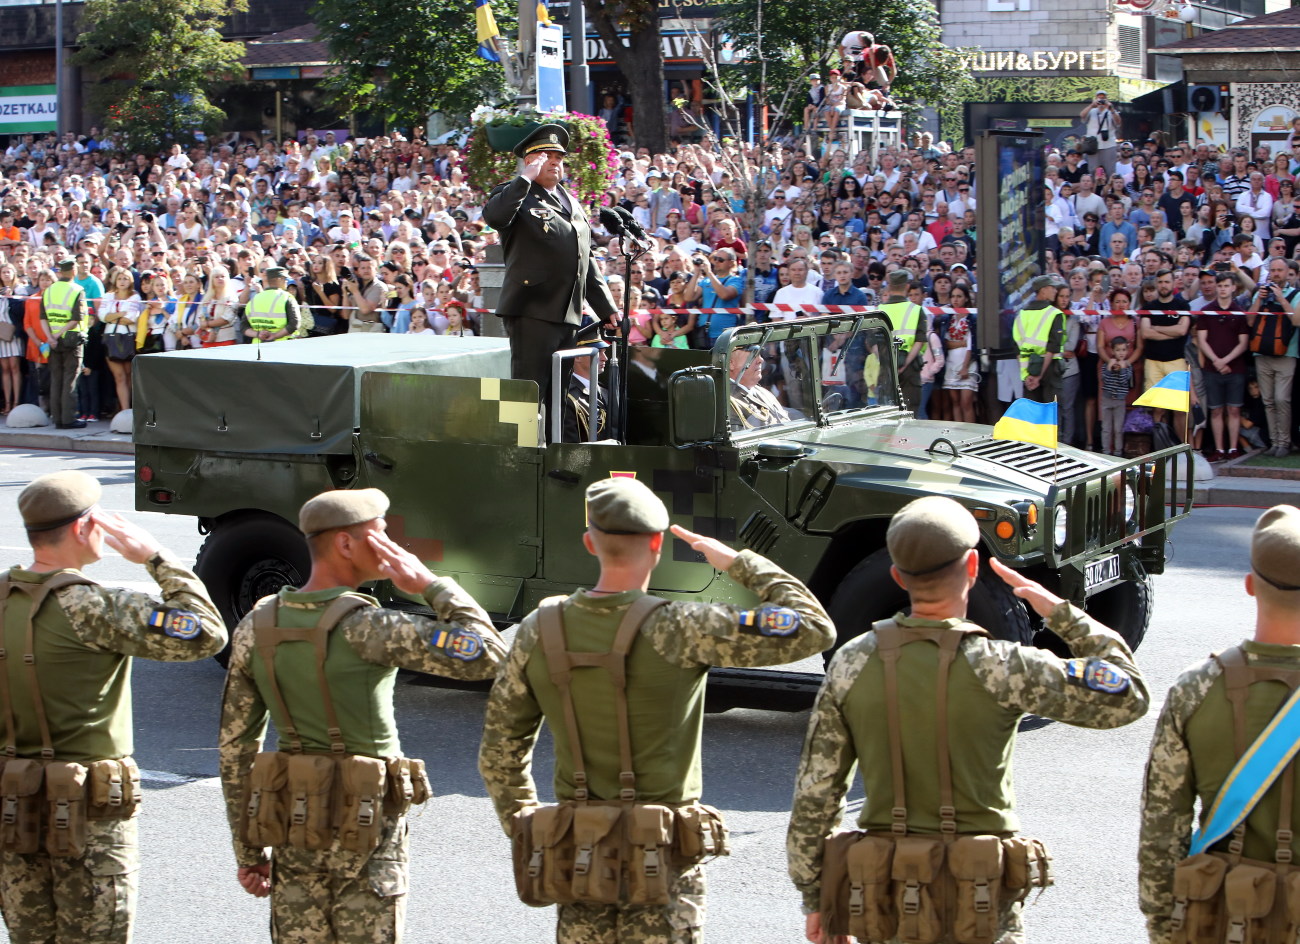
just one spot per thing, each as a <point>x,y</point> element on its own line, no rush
<point>154,62</point>
<point>409,58</point>
<point>786,41</point>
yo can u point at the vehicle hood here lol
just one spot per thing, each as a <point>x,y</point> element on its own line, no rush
<point>917,452</point>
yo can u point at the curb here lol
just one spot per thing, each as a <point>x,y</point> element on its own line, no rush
<point>1250,492</point>
<point>61,441</point>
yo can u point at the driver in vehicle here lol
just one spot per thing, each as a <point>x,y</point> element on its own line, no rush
<point>752,405</point>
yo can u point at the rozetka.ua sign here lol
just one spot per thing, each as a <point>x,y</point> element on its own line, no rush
<point>28,108</point>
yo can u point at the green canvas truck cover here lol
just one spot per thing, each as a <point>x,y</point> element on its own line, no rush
<point>293,397</point>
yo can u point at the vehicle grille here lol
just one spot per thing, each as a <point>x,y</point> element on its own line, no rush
<point>1028,457</point>
<point>758,533</point>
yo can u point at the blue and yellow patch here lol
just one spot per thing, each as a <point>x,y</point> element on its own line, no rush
<point>770,621</point>
<point>179,624</point>
<point>463,644</point>
<point>1099,676</point>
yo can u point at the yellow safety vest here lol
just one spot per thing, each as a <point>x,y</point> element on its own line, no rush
<point>908,320</point>
<point>268,311</point>
<point>1031,331</point>
<point>59,300</point>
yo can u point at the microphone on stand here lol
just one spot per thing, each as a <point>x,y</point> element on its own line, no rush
<point>612,221</point>
<point>634,228</point>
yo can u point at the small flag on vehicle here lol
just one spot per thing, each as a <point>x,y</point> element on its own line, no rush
<point>1028,421</point>
<point>1171,393</point>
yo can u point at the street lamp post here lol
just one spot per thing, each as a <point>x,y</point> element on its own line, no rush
<point>58,69</point>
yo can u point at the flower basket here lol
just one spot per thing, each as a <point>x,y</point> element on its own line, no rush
<point>489,159</point>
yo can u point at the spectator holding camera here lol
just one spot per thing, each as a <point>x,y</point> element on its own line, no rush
<point>1272,320</point>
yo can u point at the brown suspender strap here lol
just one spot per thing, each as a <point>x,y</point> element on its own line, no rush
<point>37,592</point>
<point>948,644</point>
<point>889,644</point>
<point>561,662</point>
<point>267,635</point>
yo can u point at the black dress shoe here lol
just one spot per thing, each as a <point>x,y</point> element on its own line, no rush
<point>75,424</point>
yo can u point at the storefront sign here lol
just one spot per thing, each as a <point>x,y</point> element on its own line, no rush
<point>28,108</point>
<point>676,46</point>
<point>1070,60</point>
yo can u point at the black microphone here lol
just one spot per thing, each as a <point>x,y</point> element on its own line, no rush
<point>635,229</point>
<point>612,222</point>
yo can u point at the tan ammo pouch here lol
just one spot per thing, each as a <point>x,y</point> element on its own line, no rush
<point>360,810</point>
<point>976,864</point>
<point>1026,865</point>
<point>650,837</point>
<point>408,785</point>
<point>918,861</point>
<point>1221,898</point>
<point>1249,893</point>
<point>598,851</point>
<point>869,865</point>
<point>113,789</point>
<point>541,840</point>
<point>309,787</point>
<point>266,820</point>
<point>65,801</point>
<point>21,804</point>
<point>700,834</point>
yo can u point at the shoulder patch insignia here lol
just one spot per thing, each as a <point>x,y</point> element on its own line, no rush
<point>1098,675</point>
<point>463,644</point>
<point>179,624</point>
<point>770,621</point>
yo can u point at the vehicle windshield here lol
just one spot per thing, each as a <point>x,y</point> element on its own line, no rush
<point>788,376</point>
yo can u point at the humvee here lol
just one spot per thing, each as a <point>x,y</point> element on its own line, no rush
<point>239,437</point>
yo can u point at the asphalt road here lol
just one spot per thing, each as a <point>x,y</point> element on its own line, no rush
<point>1078,790</point>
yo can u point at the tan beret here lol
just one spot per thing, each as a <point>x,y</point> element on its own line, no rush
<point>341,508</point>
<point>1275,547</point>
<point>625,506</point>
<point>60,498</point>
<point>929,534</point>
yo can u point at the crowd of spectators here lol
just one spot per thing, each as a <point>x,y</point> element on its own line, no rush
<point>171,246</point>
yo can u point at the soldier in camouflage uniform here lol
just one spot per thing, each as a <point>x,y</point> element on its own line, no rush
<point>992,685</point>
<point>667,668</point>
<point>337,896</point>
<point>1192,751</point>
<point>83,638</point>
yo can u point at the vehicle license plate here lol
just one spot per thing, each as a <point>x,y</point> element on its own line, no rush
<point>1099,573</point>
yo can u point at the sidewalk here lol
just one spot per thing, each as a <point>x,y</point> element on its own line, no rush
<point>94,438</point>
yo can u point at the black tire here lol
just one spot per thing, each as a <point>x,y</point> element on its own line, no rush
<point>868,594</point>
<point>1125,608</point>
<point>249,558</point>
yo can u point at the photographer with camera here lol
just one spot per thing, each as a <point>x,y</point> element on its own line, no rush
<point>1273,318</point>
<point>1102,122</point>
<point>716,284</point>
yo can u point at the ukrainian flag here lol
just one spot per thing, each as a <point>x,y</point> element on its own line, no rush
<point>544,13</point>
<point>487,31</point>
<point>1171,393</point>
<point>1028,421</point>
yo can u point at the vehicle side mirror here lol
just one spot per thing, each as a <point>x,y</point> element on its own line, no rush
<point>695,414</point>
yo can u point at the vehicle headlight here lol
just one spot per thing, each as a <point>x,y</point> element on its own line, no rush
<point>1130,503</point>
<point>1060,526</point>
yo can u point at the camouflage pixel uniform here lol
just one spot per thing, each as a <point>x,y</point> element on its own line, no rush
<point>90,899</point>
<point>689,638</point>
<point>1175,780</point>
<point>334,895</point>
<point>992,685</point>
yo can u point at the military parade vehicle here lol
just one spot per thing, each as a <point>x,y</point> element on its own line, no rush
<point>238,437</point>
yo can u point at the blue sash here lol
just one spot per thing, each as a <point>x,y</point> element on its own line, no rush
<point>1254,772</point>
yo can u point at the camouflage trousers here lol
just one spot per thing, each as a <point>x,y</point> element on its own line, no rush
<point>1011,927</point>
<point>338,897</point>
<point>679,922</point>
<point>85,900</point>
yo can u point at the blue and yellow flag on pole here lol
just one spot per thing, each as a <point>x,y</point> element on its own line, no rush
<point>487,31</point>
<point>1028,421</point>
<point>1171,393</point>
<point>543,13</point>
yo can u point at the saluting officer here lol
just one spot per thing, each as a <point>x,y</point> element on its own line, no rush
<point>666,670</point>
<point>550,272</point>
<point>273,314</point>
<point>911,336</point>
<point>65,691</point>
<point>63,317</point>
<point>1038,331</point>
<point>962,695</point>
<point>577,398</point>
<point>1214,715</point>
<point>321,660</point>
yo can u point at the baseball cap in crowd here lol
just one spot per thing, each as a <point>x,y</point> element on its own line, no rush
<point>652,172</point>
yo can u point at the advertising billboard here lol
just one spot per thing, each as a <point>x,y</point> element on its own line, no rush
<point>1009,213</point>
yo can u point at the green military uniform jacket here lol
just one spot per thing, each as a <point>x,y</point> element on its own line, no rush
<point>366,648</point>
<point>1191,755</point>
<point>668,666</point>
<point>992,685</point>
<point>84,638</point>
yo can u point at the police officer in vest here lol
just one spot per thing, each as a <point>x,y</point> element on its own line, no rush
<point>1037,332</point>
<point>576,408</point>
<point>63,316</point>
<point>320,825</point>
<point>668,655</point>
<point>1214,715</point>
<point>927,703</point>
<point>69,790</point>
<point>272,314</point>
<point>911,334</point>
